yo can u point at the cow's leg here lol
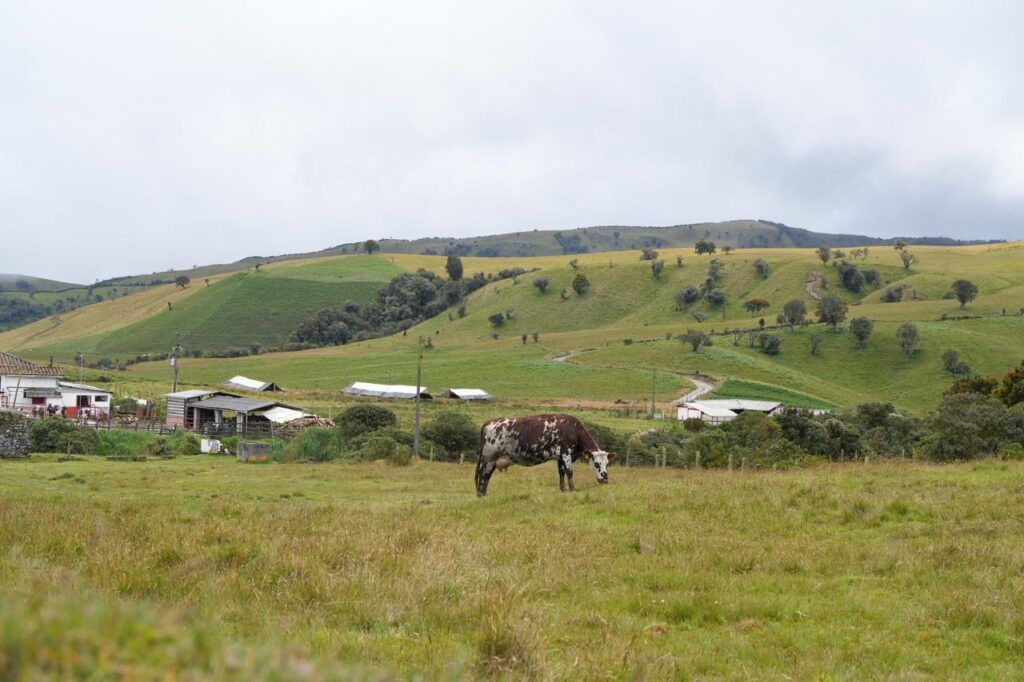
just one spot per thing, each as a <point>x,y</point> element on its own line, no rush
<point>561,475</point>
<point>566,461</point>
<point>483,476</point>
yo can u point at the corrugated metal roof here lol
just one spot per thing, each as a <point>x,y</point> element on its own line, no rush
<point>709,410</point>
<point>13,365</point>
<point>743,404</point>
<point>235,404</point>
<point>195,393</point>
<point>469,394</point>
<point>384,390</point>
<point>247,384</point>
<point>283,415</point>
<point>82,387</point>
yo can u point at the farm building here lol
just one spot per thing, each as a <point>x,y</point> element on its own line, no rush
<point>240,383</point>
<point>38,390</point>
<point>720,411</point>
<point>221,413</point>
<point>385,391</point>
<point>468,394</point>
<point>179,404</point>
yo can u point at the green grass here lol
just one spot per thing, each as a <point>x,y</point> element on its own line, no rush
<point>208,568</point>
<point>741,388</point>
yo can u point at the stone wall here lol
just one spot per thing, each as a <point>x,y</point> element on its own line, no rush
<point>13,434</point>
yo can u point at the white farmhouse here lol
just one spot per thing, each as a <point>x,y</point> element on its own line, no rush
<point>38,390</point>
<point>720,411</point>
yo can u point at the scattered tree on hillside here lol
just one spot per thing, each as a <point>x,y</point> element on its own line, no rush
<point>985,385</point>
<point>899,245</point>
<point>794,312</point>
<point>716,269</point>
<point>497,319</point>
<point>371,246</point>
<point>824,253</point>
<point>679,261</point>
<point>574,264</point>
<point>686,296</point>
<point>657,266</point>
<point>1011,389</point>
<point>541,283</point>
<point>715,297</point>
<point>454,267</point>
<point>648,254</point>
<point>964,291</point>
<point>953,364</point>
<point>831,310</point>
<point>695,338</point>
<point>861,328</point>
<point>536,337</point>
<point>525,337</point>
<point>207,281</point>
<point>907,337</point>
<point>580,284</point>
<point>815,342</point>
<point>893,294</point>
<point>564,294</point>
<point>258,266</point>
<point>727,250</point>
<point>23,285</point>
<point>907,258</point>
<point>850,276</point>
<point>761,267</point>
<point>756,305</point>
<point>704,246</point>
<point>181,281</point>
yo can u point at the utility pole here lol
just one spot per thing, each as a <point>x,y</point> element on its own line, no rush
<point>174,362</point>
<point>81,361</point>
<point>654,391</point>
<point>416,417</point>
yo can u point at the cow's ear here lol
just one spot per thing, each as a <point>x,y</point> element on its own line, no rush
<point>587,454</point>
<point>612,455</point>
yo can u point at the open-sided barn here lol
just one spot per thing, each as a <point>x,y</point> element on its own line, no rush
<point>396,391</point>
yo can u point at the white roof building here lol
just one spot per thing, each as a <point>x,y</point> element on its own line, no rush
<point>246,384</point>
<point>468,394</point>
<point>385,390</point>
<point>720,411</point>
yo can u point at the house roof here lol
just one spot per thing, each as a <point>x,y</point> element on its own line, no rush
<point>709,410</point>
<point>247,384</point>
<point>235,404</point>
<point>13,365</point>
<point>384,390</point>
<point>82,387</point>
<point>196,393</point>
<point>283,415</point>
<point>469,394</point>
<point>743,404</point>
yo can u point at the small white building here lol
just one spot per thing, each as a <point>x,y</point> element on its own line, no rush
<point>468,394</point>
<point>241,383</point>
<point>85,401</point>
<point>720,411</point>
<point>396,391</point>
<point>38,390</point>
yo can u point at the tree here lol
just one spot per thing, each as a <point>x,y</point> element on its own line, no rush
<point>794,312</point>
<point>497,319</point>
<point>716,269</point>
<point>756,305</point>
<point>953,364</point>
<point>648,254</point>
<point>360,419</point>
<point>965,426</point>
<point>985,385</point>
<point>536,337</point>
<point>761,267</point>
<point>181,281</point>
<point>371,245</point>
<point>704,246</point>
<point>454,431</point>
<point>657,266</point>
<point>541,283</point>
<point>686,296</point>
<point>899,245</point>
<point>715,297</point>
<point>964,291</point>
<point>679,261</point>
<point>574,264</point>
<point>815,342</point>
<point>580,284</point>
<point>831,310</point>
<point>850,276</point>
<point>1011,389</point>
<point>907,337</point>
<point>695,338</point>
<point>824,253</point>
<point>454,267</point>
<point>907,258</point>
<point>727,250</point>
<point>770,343</point>
<point>861,328</point>
<point>207,281</point>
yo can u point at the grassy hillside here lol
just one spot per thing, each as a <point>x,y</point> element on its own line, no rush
<point>617,333</point>
<point>10,283</point>
<point>206,568</point>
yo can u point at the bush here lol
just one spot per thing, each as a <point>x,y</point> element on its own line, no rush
<point>453,431</point>
<point>379,446</point>
<point>183,443</point>
<point>57,434</point>
<point>123,443</point>
<point>966,425</point>
<point>158,448</point>
<point>715,297</point>
<point>360,419</point>
<point>315,445</point>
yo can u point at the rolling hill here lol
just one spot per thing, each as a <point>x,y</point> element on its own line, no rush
<point>616,334</point>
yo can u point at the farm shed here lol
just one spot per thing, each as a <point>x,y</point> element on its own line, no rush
<point>468,394</point>
<point>240,383</point>
<point>719,411</point>
<point>225,412</point>
<point>179,415</point>
<point>385,391</point>
<point>84,400</point>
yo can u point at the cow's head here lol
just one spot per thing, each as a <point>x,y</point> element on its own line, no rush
<point>598,461</point>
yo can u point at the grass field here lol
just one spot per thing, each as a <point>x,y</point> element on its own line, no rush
<point>207,568</point>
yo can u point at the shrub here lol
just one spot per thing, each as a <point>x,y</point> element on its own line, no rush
<point>453,431</point>
<point>123,443</point>
<point>761,267</point>
<point>316,445</point>
<point>379,446</point>
<point>686,296</point>
<point>715,297</point>
<point>183,443</point>
<point>158,448</point>
<point>497,319</point>
<point>57,434</point>
<point>580,284</point>
<point>648,254</point>
<point>893,294</point>
<point>541,283</point>
<point>966,425</point>
<point>364,418</point>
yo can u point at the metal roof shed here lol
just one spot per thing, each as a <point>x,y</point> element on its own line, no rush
<point>178,414</point>
<point>246,384</point>
<point>396,391</point>
<point>468,394</point>
<point>220,410</point>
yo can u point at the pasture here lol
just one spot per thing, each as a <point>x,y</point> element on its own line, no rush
<point>202,567</point>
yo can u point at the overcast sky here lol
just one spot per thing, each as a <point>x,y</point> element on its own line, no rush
<point>138,136</point>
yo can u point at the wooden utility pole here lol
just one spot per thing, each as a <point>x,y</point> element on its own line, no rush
<point>174,362</point>
<point>654,391</point>
<point>416,416</point>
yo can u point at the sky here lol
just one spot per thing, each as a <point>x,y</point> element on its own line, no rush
<point>137,137</point>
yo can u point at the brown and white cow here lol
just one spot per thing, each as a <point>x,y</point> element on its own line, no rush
<point>533,440</point>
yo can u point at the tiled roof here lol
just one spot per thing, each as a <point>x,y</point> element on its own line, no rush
<point>10,364</point>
